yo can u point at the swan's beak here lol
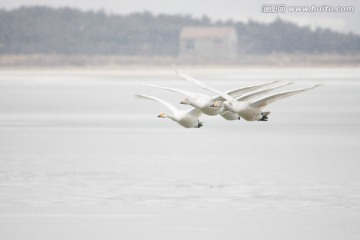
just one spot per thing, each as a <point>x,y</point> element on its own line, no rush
<point>182,102</point>
<point>213,105</point>
<point>161,115</point>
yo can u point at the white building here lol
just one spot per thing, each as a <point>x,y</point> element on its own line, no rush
<point>208,43</point>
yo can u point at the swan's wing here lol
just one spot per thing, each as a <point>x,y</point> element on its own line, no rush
<point>247,97</point>
<point>167,104</point>
<point>183,92</point>
<point>204,86</point>
<point>270,99</point>
<point>237,92</point>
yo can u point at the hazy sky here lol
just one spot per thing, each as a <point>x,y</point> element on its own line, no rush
<point>216,9</point>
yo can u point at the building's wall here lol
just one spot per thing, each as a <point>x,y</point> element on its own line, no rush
<point>209,48</point>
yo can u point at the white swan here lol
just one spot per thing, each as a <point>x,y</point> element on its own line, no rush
<point>187,119</point>
<point>204,102</point>
<point>252,110</point>
<point>249,110</point>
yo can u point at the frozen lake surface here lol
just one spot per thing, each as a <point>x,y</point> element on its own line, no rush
<point>80,158</point>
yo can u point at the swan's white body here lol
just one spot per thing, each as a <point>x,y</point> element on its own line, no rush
<point>249,110</point>
<point>187,119</point>
<point>204,102</point>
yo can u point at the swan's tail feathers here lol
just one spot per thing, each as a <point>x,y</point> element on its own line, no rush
<point>264,116</point>
<point>200,124</point>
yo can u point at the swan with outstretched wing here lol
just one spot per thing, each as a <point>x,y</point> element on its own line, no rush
<point>187,118</point>
<point>204,102</point>
<point>249,110</point>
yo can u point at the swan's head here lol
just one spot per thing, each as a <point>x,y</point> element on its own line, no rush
<point>162,115</point>
<point>185,101</point>
<point>217,104</point>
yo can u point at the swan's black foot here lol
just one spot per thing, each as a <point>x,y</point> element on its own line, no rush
<point>239,118</point>
<point>199,124</point>
<point>264,118</point>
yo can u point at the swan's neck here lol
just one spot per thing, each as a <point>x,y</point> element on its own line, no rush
<point>170,116</point>
<point>193,103</point>
<point>228,106</point>
<point>222,106</point>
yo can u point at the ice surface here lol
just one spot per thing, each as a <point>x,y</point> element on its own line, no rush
<point>80,158</point>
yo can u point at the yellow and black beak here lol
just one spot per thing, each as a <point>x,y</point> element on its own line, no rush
<point>161,115</point>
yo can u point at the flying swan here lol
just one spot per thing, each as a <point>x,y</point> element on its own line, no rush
<point>249,110</point>
<point>204,102</point>
<point>187,119</point>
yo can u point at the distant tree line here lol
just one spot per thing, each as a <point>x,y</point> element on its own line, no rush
<point>32,30</point>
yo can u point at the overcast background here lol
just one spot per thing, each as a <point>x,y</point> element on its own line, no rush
<point>226,9</point>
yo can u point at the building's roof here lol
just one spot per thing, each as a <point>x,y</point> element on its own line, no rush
<point>206,32</point>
